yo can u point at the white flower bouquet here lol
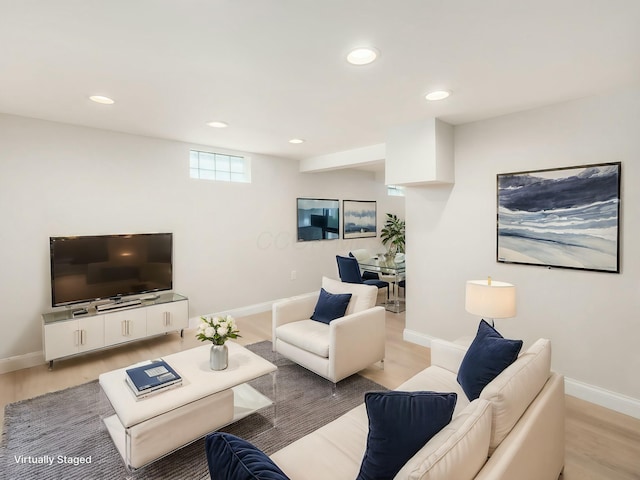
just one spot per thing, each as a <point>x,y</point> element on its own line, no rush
<point>217,329</point>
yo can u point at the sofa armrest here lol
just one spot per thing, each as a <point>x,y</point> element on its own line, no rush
<point>447,355</point>
<point>292,309</point>
<point>356,341</point>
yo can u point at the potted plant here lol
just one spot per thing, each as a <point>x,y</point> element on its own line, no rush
<point>392,235</point>
<point>217,330</point>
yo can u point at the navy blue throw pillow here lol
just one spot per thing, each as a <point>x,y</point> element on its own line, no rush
<point>400,424</point>
<point>488,355</point>
<point>330,306</point>
<point>232,457</point>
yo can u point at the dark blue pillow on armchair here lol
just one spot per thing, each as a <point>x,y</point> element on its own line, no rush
<point>400,424</point>
<point>230,457</point>
<point>488,355</point>
<point>330,306</point>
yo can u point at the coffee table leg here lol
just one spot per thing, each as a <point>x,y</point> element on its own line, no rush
<point>274,393</point>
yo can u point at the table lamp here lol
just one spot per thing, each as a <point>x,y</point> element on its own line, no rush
<point>490,299</point>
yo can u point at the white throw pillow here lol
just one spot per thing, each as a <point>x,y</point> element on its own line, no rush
<point>458,451</point>
<point>514,389</point>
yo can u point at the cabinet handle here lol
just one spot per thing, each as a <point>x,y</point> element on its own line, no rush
<point>123,328</point>
<point>129,327</point>
<point>82,335</point>
<point>167,318</point>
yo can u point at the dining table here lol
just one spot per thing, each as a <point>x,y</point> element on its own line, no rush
<point>394,271</point>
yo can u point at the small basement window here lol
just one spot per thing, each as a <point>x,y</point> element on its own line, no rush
<point>219,166</point>
<point>395,191</point>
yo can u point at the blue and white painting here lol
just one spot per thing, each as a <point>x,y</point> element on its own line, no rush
<point>359,218</point>
<point>567,217</point>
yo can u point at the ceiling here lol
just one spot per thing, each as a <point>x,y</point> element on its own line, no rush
<point>275,69</point>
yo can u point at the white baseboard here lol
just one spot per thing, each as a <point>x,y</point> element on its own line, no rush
<point>605,398</point>
<point>235,312</point>
<point>19,362</point>
<point>417,337</point>
<point>584,391</point>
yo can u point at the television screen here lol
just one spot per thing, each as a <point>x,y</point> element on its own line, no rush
<point>96,267</point>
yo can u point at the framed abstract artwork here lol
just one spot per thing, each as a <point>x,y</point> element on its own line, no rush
<point>318,219</point>
<point>358,219</point>
<point>561,217</point>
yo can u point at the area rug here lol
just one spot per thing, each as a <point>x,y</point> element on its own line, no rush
<point>48,437</point>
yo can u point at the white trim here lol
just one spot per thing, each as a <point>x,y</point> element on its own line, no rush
<point>584,391</point>
<point>235,312</point>
<point>417,337</point>
<point>605,398</point>
<point>19,362</point>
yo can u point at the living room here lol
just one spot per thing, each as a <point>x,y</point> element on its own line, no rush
<point>235,247</point>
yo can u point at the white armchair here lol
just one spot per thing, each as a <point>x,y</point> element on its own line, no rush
<point>338,349</point>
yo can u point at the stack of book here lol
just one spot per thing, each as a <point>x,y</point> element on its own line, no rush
<point>151,378</point>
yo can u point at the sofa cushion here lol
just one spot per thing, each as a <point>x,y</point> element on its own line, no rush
<point>488,355</point>
<point>231,457</point>
<point>330,306</point>
<point>511,392</point>
<point>437,379</point>
<point>466,437</point>
<point>400,423</point>
<point>363,296</point>
<point>331,452</point>
<point>309,335</point>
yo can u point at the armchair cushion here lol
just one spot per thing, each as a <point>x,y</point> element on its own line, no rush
<point>330,306</point>
<point>231,457</point>
<point>400,424</point>
<point>488,355</point>
<point>363,297</point>
<point>308,335</point>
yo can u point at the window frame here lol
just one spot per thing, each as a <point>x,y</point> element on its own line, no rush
<point>219,166</point>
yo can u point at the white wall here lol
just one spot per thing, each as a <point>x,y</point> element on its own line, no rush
<point>234,244</point>
<point>592,318</point>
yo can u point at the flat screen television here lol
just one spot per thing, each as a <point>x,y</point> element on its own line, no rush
<point>89,268</point>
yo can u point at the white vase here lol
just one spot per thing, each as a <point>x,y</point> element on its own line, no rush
<point>219,357</point>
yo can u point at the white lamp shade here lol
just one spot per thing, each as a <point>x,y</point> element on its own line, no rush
<point>490,299</point>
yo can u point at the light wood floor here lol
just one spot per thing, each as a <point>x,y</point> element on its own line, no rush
<point>601,444</point>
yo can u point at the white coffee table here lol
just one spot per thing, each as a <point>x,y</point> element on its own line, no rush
<point>144,430</point>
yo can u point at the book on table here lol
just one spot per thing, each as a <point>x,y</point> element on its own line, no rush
<point>152,377</point>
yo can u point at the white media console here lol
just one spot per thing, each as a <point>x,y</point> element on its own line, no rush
<point>71,332</point>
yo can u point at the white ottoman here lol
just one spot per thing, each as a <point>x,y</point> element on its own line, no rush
<point>146,429</point>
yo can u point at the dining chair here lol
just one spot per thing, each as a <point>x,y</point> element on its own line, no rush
<point>349,272</point>
<point>402,284</point>
<point>364,255</point>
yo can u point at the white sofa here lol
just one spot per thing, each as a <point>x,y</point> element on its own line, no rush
<point>514,431</point>
<point>336,350</point>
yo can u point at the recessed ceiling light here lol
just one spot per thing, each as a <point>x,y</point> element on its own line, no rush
<point>437,95</point>
<point>101,99</point>
<point>218,124</point>
<point>296,140</point>
<point>362,56</point>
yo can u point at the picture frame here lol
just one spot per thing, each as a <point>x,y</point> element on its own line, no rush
<point>359,218</point>
<point>318,219</point>
<point>565,217</point>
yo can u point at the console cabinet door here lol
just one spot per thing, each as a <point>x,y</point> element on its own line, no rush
<point>61,339</point>
<point>91,333</point>
<point>167,317</point>
<point>120,327</point>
